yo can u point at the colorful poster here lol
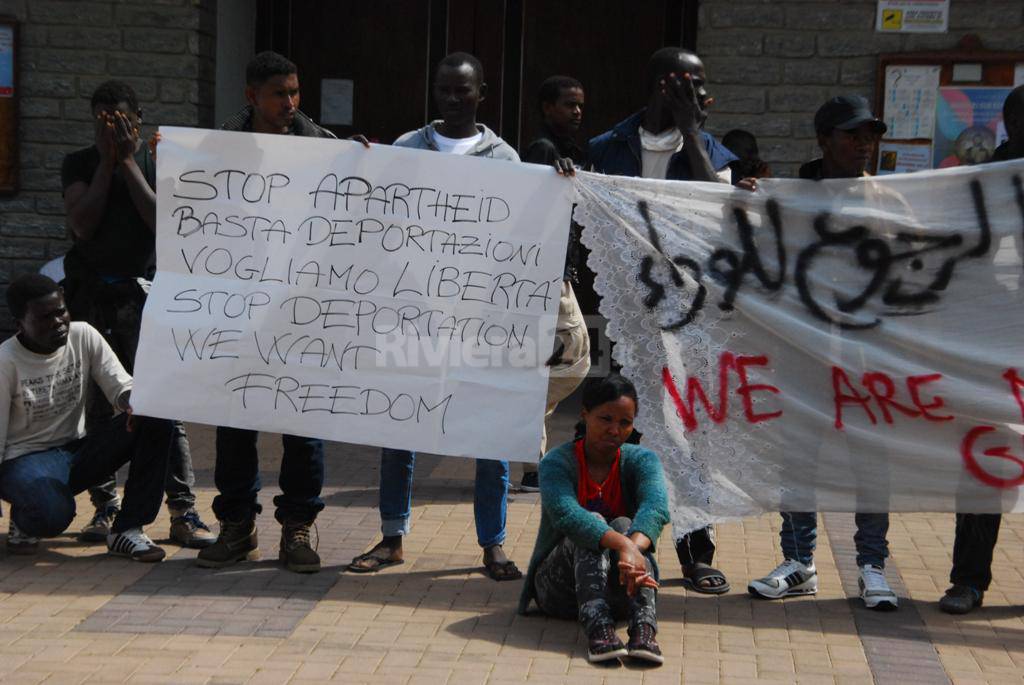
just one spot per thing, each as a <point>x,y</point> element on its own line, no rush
<point>968,125</point>
<point>6,61</point>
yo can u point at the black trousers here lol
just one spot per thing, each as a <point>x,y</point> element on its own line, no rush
<point>697,546</point>
<point>975,541</point>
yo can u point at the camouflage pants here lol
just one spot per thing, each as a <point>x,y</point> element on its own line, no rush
<point>573,582</point>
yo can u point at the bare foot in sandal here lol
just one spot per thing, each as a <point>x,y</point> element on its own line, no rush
<point>701,577</point>
<point>387,552</point>
<point>498,566</point>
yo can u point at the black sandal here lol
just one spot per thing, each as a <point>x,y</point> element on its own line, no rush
<point>372,561</point>
<point>694,575</point>
<point>502,570</point>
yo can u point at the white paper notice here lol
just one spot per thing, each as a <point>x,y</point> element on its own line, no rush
<point>912,16</point>
<point>336,98</point>
<point>381,296</point>
<point>910,98</point>
<point>895,158</point>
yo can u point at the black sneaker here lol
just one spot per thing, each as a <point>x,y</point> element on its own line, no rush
<point>530,482</point>
<point>237,541</point>
<point>961,599</point>
<point>135,545</point>
<point>604,644</point>
<point>642,644</point>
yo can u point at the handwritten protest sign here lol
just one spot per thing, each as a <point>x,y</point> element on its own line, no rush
<point>845,345</point>
<point>386,297</point>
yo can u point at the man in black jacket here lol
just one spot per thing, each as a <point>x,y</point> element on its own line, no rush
<point>561,106</point>
<point>272,89</point>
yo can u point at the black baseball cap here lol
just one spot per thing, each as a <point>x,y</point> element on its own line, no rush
<point>846,112</point>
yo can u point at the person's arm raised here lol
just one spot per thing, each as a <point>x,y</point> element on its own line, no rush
<point>126,140</point>
<point>84,203</point>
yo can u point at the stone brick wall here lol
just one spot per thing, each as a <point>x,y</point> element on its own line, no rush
<point>163,48</point>
<point>771,63</point>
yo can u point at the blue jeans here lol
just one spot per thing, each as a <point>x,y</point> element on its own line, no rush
<point>799,537</point>
<point>41,486</point>
<point>237,477</point>
<point>490,497</point>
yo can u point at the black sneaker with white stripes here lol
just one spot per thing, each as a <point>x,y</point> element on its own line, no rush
<point>135,545</point>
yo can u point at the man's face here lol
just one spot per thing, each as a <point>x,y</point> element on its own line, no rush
<point>847,153</point>
<point>458,93</point>
<point>275,102</point>
<point>565,114</point>
<point>44,328</point>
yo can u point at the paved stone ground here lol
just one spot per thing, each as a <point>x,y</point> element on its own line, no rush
<point>74,615</point>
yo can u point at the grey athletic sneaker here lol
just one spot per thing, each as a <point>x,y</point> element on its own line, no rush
<point>787,579</point>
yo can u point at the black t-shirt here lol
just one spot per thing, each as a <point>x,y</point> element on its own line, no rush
<point>123,246</point>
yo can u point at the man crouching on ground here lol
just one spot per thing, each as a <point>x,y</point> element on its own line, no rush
<point>46,457</point>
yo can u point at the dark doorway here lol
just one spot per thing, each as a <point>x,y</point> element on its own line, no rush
<point>387,48</point>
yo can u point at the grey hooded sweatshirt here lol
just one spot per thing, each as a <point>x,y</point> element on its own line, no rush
<point>489,146</point>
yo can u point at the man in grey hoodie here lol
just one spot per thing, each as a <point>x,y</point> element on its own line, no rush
<point>458,90</point>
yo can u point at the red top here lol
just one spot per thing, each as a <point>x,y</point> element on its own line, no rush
<point>603,498</point>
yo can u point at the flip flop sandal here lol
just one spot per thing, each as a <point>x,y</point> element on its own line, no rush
<point>506,570</point>
<point>380,563</point>
<point>692,580</point>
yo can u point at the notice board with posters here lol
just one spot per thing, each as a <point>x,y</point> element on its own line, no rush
<point>943,108</point>
<point>8,106</point>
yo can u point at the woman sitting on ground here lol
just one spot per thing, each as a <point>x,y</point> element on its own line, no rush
<point>603,507</point>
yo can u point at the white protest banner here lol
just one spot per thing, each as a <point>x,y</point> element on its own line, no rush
<point>380,296</point>
<point>843,345</point>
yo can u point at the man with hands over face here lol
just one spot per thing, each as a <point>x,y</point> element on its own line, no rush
<point>666,140</point>
<point>111,211</point>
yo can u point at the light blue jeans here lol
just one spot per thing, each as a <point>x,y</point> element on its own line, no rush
<point>490,498</point>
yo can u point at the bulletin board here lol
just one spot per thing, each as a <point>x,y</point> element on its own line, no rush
<point>8,106</point>
<point>943,108</point>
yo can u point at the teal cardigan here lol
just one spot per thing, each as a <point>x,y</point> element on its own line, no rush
<point>643,492</point>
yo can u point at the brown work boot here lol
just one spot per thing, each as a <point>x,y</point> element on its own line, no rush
<point>237,541</point>
<point>188,530</point>
<point>297,552</point>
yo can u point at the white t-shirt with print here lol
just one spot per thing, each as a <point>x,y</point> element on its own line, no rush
<point>42,396</point>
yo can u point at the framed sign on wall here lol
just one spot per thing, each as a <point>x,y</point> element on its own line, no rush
<point>8,106</point>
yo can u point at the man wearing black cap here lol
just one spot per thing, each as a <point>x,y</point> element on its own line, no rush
<point>848,134</point>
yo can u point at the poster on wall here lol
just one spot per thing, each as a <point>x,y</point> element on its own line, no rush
<point>910,96</point>
<point>968,125</point>
<point>912,16</point>
<point>6,61</point>
<point>897,158</point>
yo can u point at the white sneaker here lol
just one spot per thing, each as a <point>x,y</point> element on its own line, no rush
<point>19,543</point>
<point>134,544</point>
<point>788,578</point>
<point>875,590</point>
